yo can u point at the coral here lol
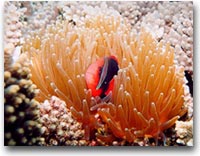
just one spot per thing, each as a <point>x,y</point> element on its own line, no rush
<point>71,37</point>
<point>129,10</point>
<point>172,22</point>
<point>181,33</point>
<point>12,24</point>
<point>42,14</point>
<point>12,31</point>
<point>133,10</point>
<point>148,93</point>
<point>184,131</point>
<point>58,125</point>
<point>173,25</point>
<point>8,51</point>
<point>188,102</point>
<point>78,11</point>
<point>21,112</point>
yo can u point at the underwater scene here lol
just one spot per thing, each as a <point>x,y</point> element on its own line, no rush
<point>102,73</point>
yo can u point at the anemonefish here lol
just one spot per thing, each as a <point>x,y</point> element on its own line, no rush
<point>99,76</point>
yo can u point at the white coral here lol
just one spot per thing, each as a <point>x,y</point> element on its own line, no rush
<point>12,24</point>
<point>184,131</point>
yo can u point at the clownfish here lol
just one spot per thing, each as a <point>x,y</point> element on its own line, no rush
<point>99,76</point>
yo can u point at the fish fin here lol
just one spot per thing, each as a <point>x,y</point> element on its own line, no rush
<point>103,73</point>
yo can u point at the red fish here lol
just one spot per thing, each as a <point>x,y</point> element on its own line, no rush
<point>99,76</point>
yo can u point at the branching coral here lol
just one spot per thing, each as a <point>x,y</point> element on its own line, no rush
<point>8,51</point>
<point>12,30</point>
<point>148,92</point>
<point>22,126</point>
<point>79,10</point>
<point>133,10</point>
<point>42,14</point>
<point>58,125</point>
<point>172,22</point>
<point>184,131</point>
<point>12,24</point>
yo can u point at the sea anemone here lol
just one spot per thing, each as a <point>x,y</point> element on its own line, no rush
<point>61,56</point>
<point>148,92</point>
